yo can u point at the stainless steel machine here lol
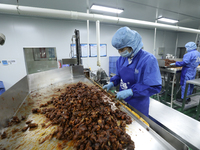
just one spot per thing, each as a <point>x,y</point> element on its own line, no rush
<point>161,62</point>
<point>77,60</point>
<point>38,88</point>
<point>169,73</point>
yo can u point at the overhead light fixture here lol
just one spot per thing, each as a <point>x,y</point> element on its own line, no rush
<point>107,9</point>
<point>167,20</point>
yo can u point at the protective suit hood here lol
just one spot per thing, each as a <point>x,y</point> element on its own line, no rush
<point>190,46</point>
<point>125,37</point>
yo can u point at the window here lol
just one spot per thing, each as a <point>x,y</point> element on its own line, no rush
<point>40,59</point>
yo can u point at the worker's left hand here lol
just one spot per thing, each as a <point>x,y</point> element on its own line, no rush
<point>172,64</point>
<point>124,94</point>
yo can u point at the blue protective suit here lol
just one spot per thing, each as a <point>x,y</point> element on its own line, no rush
<point>190,62</point>
<point>142,76</point>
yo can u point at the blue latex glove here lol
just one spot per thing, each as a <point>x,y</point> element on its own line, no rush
<point>124,94</point>
<point>172,64</point>
<point>108,86</point>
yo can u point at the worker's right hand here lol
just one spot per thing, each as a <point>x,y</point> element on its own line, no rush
<point>172,64</point>
<point>108,86</point>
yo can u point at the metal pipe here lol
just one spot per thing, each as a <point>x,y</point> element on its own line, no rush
<point>88,34</point>
<point>98,42</point>
<point>88,38</point>
<point>197,40</point>
<point>62,14</point>
<point>172,92</point>
<point>176,46</point>
<point>154,45</point>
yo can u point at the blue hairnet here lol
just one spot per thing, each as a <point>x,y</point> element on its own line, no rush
<point>190,46</point>
<point>125,37</point>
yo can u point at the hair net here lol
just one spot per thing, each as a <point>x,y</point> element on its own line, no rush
<point>125,37</point>
<point>190,46</point>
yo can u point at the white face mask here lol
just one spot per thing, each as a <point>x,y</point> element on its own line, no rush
<point>126,53</point>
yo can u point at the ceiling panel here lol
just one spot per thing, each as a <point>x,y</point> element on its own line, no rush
<point>170,5</point>
<point>132,10</point>
<point>186,11</point>
<point>72,5</point>
<point>191,8</point>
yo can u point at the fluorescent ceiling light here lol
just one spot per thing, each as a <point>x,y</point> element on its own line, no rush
<point>108,9</point>
<point>167,20</point>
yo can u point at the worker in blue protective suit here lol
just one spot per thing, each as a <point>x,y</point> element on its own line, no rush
<point>137,71</point>
<point>190,62</point>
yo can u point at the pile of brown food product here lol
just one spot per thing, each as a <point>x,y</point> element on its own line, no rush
<point>15,120</point>
<point>84,116</point>
<point>168,62</point>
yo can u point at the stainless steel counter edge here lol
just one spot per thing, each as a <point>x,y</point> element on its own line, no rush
<point>170,71</point>
<point>185,128</point>
<point>174,141</point>
<point>11,99</point>
<point>195,82</point>
<point>159,138</point>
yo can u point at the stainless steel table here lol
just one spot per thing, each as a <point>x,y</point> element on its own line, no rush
<point>181,126</point>
<point>194,104</point>
<point>195,82</point>
<point>175,79</point>
<point>176,76</point>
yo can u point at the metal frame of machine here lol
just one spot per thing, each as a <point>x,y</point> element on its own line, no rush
<point>77,60</point>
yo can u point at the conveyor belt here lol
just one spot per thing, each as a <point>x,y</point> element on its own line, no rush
<point>139,132</point>
<point>143,136</point>
<point>176,123</point>
<point>122,103</point>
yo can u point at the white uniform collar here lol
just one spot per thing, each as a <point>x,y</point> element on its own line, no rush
<point>130,59</point>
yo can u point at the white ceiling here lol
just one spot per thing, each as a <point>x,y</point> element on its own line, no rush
<point>186,11</point>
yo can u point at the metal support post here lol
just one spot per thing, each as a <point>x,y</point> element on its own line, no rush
<point>172,93</point>
<point>185,97</point>
<point>78,47</point>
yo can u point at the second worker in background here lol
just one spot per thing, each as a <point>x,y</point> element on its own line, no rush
<point>137,70</point>
<point>190,62</point>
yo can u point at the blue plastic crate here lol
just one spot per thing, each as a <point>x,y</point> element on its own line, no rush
<point>112,64</point>
<point>2,88</point>
<point>113,58</point>
<point>112,70</point>
<point>1,84</point>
